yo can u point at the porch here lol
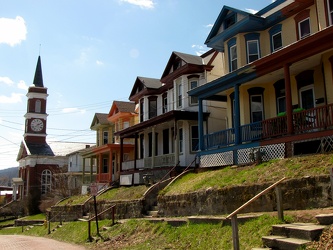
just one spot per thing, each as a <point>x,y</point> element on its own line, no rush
<point>309,128</point>
<point>166,160</point>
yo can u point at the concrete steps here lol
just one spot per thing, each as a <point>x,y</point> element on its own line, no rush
<point>296,235</point>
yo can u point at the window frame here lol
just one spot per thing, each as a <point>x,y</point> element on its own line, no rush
<point>165,103</point>
<point>233,58</point>
<point>329,6</point>
<point>152,106</point>
<point>46,181</point>
<point>300,28</point>
<point>249,60</point>
<point>179,95</point>
<point>38,106</point>
<point>193,100</point>
<point>194,140</point>
<point>105,137</point>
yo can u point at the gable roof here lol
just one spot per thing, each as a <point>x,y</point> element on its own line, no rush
<point>185,58</point>
<point>143,86</point>
<point>123,107</point>
<point>99,119</point>
<point>245,22</point>
<point>269,16</point>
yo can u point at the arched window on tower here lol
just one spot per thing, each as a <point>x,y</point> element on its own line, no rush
<point>38,106</point>
<point>46,181</point>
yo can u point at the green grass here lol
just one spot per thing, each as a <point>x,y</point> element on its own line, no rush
<point>271,171</point>
<point>140,234</point>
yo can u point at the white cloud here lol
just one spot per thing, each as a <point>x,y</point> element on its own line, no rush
<point>199,49</point>
<point>13,98</point>
<point>6,80</point>
<point>252,11</point>
<point>73,110</point>
<point>12,31</point>
<point>22,85</point>
<point>209,25</point>
<point>144,4</point>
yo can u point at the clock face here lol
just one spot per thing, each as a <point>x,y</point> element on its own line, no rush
<point>37,125</point>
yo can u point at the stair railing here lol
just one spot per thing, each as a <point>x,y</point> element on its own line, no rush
<point>233,215</point>
<point>94,217</point>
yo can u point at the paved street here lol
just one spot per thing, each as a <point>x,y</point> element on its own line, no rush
<point>8,242</point>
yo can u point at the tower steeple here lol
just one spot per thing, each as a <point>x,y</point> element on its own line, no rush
<point>36,116</point>
<point>38,79</point>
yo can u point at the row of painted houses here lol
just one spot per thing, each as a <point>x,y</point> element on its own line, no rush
<point>263,91</point>
<point>265,86</point>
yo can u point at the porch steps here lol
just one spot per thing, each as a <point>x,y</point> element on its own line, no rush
<point>153,212</point>
<point>292,236</point>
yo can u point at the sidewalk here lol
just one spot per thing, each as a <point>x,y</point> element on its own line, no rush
<point>11,242</point>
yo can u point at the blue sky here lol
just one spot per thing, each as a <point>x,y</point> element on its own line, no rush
<point>91,52</point>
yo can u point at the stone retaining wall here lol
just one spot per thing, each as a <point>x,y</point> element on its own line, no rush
<point>303,193</point>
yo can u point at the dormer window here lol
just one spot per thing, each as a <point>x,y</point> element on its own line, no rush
<point>177,64</point>
<point>229,21</point>
<point>252,47</point>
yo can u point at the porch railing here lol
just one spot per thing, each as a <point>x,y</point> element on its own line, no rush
<point>217,139</point>
<point>305,121</point>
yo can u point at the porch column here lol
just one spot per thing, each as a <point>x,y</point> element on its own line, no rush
<point>289,106</point>
<point>83,168</point>
<point>121,158</point>
<point>153,149</point>
<point>91,168</point>
<point>110,165</point>
<point>238,137</point>
<point>200,126</point>
<point>176,141</point>
<point>135,149</point>
<point>100,163</point>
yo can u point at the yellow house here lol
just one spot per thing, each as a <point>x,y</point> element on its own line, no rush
<point>278,85</point>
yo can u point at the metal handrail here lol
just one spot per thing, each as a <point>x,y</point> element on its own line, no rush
<point>233,215</point>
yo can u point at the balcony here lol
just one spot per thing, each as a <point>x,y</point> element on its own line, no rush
<point>305,121</point>
<point>159,161</point>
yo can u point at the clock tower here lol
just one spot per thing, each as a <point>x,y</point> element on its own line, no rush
<point>35,118</point>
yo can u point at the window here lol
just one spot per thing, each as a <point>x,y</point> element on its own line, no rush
<point>330,11</point>
<point>141,110</point>
<point>126,124</point>
<point>180,95</point>
<point>232,54</point>
<point>304,28</point>
<point>194,138</point>
<point>277,41</point>
<point>142,146</point>
<point>166,141</point>
<point>302,21</point>
<point>307,97</point>
<point>46,181</point>
<point>180,131</point>
<point>256,108</point>
<point>280,96</point>
<point>165,102</point>
<point>256,104</point>
<point>193,84</point>
<point>150,142</point>
<point>229,21</point>
<point>233,110</point>
<point>276,37</point>
<point>38,106</point>
<point>252,51</point>
<point>105,165</point>
<point>105,137</point>
<point>152,106</point>
<point>233,58</point>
